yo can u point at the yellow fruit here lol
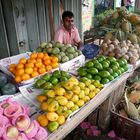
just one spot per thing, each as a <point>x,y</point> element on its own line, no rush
<point>29,65</point>
<point>60,91</point>
<point>28,70</point>
<point>80,103</point>
<point>53,106</point>
<point>44,106</point>
<point>20,71</point>
<point>25,77</point>
<point>34,74</point>
<point>61,120</point>
<point>33,55</point>
<point>62,100</point>
<point>51,93</point>
<point>18,78</point>
<point>52,116</point>
<point>91,94</point>
<point>41,98</point>
<point>22,61</point>
<point>19,66</point>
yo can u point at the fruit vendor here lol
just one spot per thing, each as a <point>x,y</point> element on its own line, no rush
<point>67,33</point>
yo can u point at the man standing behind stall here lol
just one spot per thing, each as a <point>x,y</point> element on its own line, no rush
<point>67,33</point>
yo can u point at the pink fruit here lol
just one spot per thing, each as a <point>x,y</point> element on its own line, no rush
<point>4,120</point>
<point>22,136</point>
<point>2,129</point>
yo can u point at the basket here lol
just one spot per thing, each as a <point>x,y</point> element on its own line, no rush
<point>125,127</point>
<point>90,50</point>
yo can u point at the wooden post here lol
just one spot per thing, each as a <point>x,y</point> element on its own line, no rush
<point>51,21</point>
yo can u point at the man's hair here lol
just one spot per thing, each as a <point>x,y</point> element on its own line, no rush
<point>67,14</point>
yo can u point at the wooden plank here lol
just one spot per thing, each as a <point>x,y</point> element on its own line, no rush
<point>10,27</point>
<point>87,109</point>
<point>32,23</point>
<point>4,47</point>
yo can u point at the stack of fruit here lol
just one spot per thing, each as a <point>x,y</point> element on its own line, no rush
<point>65,98</point>
<point>104,69</point>
<point>48,80</point>
<point>63,52</point>
<point>37,64</point>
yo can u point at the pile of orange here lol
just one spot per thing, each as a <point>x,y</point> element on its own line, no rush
<point>37,64</point>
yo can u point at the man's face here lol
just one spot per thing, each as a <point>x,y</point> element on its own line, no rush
<point>68,23</point>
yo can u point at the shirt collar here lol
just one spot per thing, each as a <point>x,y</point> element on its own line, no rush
<point>72,30</point>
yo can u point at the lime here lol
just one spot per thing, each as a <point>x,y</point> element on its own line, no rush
<point>63,78</point>
<point>125,68</point>
<point>111,59</point>
<point>104,74</point>
<point>109,70</point>
<point>100,58</point>
<point>89,64</point>
<point>89,76</point>
<point>97,77</point>
<point>46,77</point>
<point>83,79</point>
<point>47,85</point>
<point>53,80</point>
<point>110,78</point>
<point>119,72</point>
<point>105,64</point>
<point>114,68</point>
<point>64,73</point>
<point>104,80</point>
<point>124,60</point>
<point>98,66</point>
<point>56,74</point>
<point>114,74</point>
<point>114,63</point>
<point>95,61</point>
<point>82,72</point>
<point>92,71</point>
<point>39,83</point>
<point>121,62</point>
<point>122,70</point>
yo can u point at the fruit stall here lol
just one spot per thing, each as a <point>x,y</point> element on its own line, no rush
<point>47,93</point>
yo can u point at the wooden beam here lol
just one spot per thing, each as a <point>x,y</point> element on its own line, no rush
<point>51,21</point>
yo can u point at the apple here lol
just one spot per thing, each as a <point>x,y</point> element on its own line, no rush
<point>75,98</point>
<point>62,100</point>
<point>70,104</point>
<point>61,120</point>
<point>52,116</point>
<point>61,110</point>
<point>80,103</point>
<point>81,85</point>
<point>74,108</point>
<point>52,126</point>
<point>81,94</point>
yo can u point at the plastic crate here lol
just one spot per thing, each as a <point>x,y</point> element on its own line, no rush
<point>125,127</point>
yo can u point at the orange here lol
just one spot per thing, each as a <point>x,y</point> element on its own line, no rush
<point>47,62</point>
<point>31,65</point>
<point>44,106</point>
<point>25,76</point>
<point>11,69</point>
<point>43,66</point>
<point>45,54</point>
<point>54,59</point>
<point>48,67</point>
<point>19,66</point>
<point>28,70</point>
<point>18,78</point>
<point>33,55</point>
<point>42,120</point>
<point>41,98</point>
<point>42,70</point>
<point>54,65</point>
<point>12,66</point>
<point>22,60</point>
<point>38,60</point>
<point>40,55</point>
<point>35,69</point>
<point>34,74</point>
<point>46,58</point>
<point>31,60</point>
<point>38,64</point>
<point>20,72</point>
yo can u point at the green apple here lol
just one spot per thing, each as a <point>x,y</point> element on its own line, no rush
<point>86,99</point>
<point>80,103</point>
<point>74,108</point>
<point>75,98</point>
<point>91,94</point>
<point>61,100</point>
<point>70,104</point>
<point>91,87</point>
<point>61,110</point>
<point>81,94</point>
<point>67,113</point>
<point>86,90</point>
<point>68,94</point>
<point>82,85</point>
<point>76,89</point>
<point>52,126</point>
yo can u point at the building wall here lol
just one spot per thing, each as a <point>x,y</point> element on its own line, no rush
<point>24,24</point>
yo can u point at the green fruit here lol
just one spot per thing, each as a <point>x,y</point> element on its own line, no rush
<point>98,66</point>
<point>59,57</point>
<point>65,59</point>
<point>63,49</point>
<point>55,50</point>
<point>104,74</point>
<point>105,64</point>
<point>39,83</point>
<point>95,61</point>
<point>70,56</point>
<point>89,64</point>
<point>101,57</point>
<point>92,71</point>
<point>89,76</point>
<point>82,68</point>
<point>122,70</point>
<point>52,126</point>
<point>49,50</point>
<point>114,74</point>
<point>110,78</point>
<point>62,54</point>
<point>97,77</point>
<point>53,80</point>
<point>124,60</point>
<point>82,72</point>
<point>111,59</point>
<point>43,45</point>
<point>70,50</point>
<point>121,62</point>
<point>46,77</point>
<point>64,74</point>
<point>109,70</point>
<point>83,79</point>
<point>47,85</point>
<point>79,52</point>
<point>75,54</point>
<point>119,72</point>
<point>58,45</point>
<point>56,74</point>
<point>62,78</point>
<point>114,64</point>
<point>104,80</point>
<point>125,68</point>
<point>114,68</point>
